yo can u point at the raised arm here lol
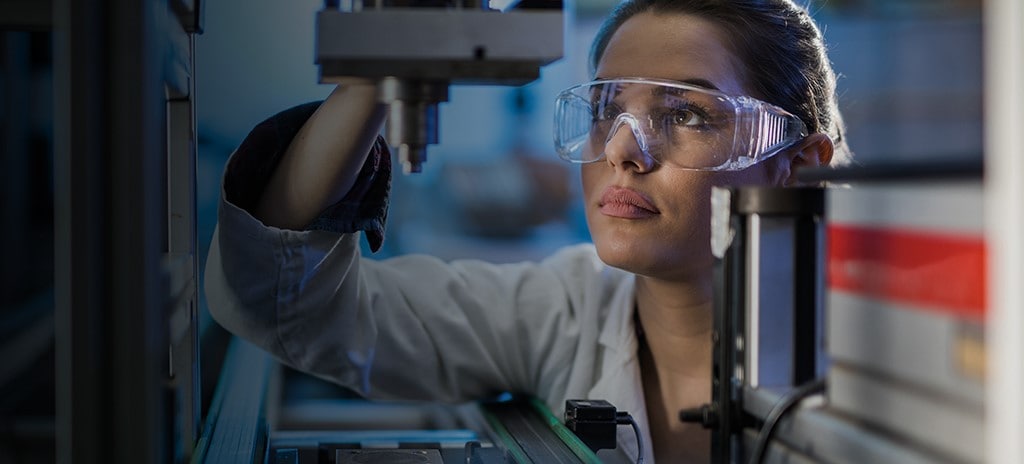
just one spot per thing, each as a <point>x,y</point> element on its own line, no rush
<point>323,160</point>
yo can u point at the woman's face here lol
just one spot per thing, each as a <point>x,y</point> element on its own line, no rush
<point>668,236</point>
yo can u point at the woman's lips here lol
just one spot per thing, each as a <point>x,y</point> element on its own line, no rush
<point>625,203</point>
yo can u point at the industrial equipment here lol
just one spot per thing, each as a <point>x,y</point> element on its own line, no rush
<point>254,418</point>
<point>869,297</point>
<point>415,49</point>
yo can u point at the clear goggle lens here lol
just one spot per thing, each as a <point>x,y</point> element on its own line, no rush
<point>676,124</point>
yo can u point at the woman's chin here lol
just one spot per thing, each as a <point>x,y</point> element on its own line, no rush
<point>673,264</point>
<point>637,259</point>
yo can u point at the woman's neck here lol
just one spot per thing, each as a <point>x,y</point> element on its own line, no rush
<point>676,319</point>
<point>675,364</point>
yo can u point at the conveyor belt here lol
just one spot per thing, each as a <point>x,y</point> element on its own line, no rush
<point>533,435</point>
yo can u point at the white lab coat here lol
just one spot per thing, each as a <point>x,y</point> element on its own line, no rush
<point>415,327</point>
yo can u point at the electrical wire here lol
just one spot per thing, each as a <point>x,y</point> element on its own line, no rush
<point>783,406</point>
<point>624,418</point>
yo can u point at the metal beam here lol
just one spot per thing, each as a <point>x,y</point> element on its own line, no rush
<point>110,146</point>
<point>33,15</point>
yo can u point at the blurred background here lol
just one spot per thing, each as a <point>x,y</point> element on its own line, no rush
<point>910,88</point>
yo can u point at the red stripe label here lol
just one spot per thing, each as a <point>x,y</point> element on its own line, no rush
<point>934,271</point>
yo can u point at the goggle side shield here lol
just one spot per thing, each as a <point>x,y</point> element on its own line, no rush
<point>678,125</point>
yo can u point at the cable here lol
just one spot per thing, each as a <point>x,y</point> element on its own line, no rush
<point>783,406</point>
<point>622,417</point>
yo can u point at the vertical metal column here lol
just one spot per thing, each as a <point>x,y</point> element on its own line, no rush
<point>115,279</point>
<point>14,145</point>
<point>808,285</point>
<point>80,245</point>
<point>181,262</point>
<point>730,344</point>
<point>1004,226</point>
<point>740,230</point>
<point>786,222</point>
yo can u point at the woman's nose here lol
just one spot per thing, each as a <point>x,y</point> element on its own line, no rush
<point>627,146</point>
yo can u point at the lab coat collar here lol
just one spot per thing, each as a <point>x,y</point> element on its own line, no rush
<point>620,382</point>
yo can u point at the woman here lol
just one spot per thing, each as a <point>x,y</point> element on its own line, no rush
<point>627,318</point>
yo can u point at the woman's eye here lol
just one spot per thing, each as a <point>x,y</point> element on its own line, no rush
<point>685,117</point>
<point>605,112</point>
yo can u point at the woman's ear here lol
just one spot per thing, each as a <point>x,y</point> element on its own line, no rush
<point>813,151</point>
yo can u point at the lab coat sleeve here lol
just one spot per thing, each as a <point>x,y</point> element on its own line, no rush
<point>363,208</point>
<point>466,329</point>
<point>412,327</point>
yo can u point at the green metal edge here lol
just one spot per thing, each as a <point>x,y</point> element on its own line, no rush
<point>506,438</point>
<point>580,449</point>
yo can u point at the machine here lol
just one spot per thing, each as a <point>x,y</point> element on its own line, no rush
<point>868,297</point>
<point>415,49</point>
<point>263,412</point>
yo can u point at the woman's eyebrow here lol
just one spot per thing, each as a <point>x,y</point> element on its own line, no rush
<point>695,81</point>
<point>703,83</point>
<point>663,90</point>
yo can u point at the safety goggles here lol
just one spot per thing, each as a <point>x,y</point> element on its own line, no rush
<point>676,124</point>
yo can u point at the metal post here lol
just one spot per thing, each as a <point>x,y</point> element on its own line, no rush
<point>181,262</point>
<point>731,344</point>
<point>14,143</point>
<point>79,243</point>
<point>112,362</point>
<point>807,292</point>
<point>1004,225</point>
<point>739,219</point>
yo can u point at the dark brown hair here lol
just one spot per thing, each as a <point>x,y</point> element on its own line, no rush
<point>782,47</point>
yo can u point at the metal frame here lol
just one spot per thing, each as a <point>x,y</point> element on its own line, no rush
<point>801,211</point>
<point>813,432</point>
<point>236,428</point>
<point>15,130</point>
<point>181,262</point>
<point>729,350</point>
<point>26,14</point>
<point>126,386</point>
